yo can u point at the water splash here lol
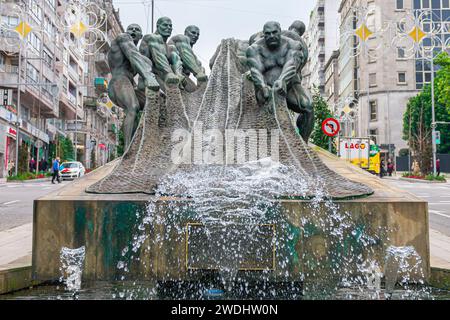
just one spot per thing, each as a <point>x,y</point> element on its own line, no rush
<point>71,267</point>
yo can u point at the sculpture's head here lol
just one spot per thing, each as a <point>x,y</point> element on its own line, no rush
<point>164,27</point>
<point>135,31</point>
<point>272,34</point>
<point>193,33</point>
<point>298,27</point>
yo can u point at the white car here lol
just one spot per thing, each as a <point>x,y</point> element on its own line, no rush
<point>72,170</point>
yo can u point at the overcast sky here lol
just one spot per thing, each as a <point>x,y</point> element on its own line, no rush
<point>217,19</point>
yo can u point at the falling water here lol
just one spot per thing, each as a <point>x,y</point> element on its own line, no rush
<point>71,268</point>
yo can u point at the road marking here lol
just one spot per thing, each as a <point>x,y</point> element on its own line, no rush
<point>439,213</point>
<point>11,202</point>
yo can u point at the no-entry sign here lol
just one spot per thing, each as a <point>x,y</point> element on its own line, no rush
<point>331,127</point>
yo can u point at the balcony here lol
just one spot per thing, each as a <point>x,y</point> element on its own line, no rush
<point>72,99</point>
<point>101,62</point>
<point>74,74</point>
<point>9,41</point>
<point>9,76</point>
<point>79,126</point>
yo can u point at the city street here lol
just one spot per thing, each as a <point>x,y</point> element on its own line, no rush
<point>438,197</point>
<point>16,201</point>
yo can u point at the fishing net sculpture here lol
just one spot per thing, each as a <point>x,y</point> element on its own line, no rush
<point>181,133</point>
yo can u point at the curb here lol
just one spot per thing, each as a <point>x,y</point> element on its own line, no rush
<point>422,181</point>
<point>440,278</point>
<point>31,181</point>
<point>16,279</point>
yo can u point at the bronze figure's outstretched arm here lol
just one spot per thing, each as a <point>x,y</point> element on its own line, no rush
<point>141,64</point>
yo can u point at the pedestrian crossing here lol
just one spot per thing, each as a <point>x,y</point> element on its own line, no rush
<point>47,185</point>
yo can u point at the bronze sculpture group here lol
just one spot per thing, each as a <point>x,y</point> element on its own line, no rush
<point>274,59</point>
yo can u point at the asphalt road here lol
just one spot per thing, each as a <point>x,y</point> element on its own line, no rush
<point>16,201</point>
<point>438,197</point>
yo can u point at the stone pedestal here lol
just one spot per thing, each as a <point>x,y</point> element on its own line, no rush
<point>172,251</point>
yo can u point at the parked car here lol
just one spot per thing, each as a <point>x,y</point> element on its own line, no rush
<point>72,170</point>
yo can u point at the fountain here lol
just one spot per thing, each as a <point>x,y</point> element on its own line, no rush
<point>190,213</point>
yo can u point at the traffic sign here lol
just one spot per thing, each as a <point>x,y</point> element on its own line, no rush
<point>331,127</point>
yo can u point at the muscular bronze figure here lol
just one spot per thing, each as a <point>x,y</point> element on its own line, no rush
<point>183,44</point>
<point>275,62</point>
<point>126,62</point>
<point>167,64</point>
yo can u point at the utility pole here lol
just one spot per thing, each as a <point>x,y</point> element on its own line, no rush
<point>153,16</point>
<point>18,111</point>
<point>433,121</point>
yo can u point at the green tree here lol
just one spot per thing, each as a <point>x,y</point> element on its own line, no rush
<point>121,146</point>
<point>419,115</point>
<point>93,159</point>
<point>321,113</point>
<point>23,159</point>
<point>67,152</point>
<point>443,79</point>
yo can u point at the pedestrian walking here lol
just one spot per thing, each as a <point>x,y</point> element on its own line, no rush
<point>43,165</point>
<point>32,165</point>
<point>438,167</point>
<point>382,169</point>
<point>56,171</point>
<point>11,168</point>
<point>390,167</point>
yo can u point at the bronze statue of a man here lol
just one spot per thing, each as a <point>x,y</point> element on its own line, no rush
<point>126,62</point>
<point>275,62</point>
<point>183,44</point>
<point>167,64</point>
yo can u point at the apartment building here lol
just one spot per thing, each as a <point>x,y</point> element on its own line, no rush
<point>383,83</point>
<point>97,134</point>
<point>55,75</point>
<point>47,70</point>
<point>322,38</point>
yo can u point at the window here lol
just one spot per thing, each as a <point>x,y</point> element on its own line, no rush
<point>51,3</point>
<point>32,73</point>
<point>34,42</point>
<point>36,11</point>
<point>401,53</point>
<point>374,135</point>
<point>372,56</point>
<point>372,79</point>
<point>399,5</point>
<point>10,21</point>
<point>48,57</point>
<point>49,27</point>
<point>373,111</point>
<point>402,77</point>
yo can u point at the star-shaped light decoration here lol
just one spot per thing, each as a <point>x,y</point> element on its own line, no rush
<point>78,29</point>
<point>347,109</point>
<point>23,29</point>
<point>417,34</point>
<point>363,32</point>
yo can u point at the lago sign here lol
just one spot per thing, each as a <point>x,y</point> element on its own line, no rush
<point>356,151</point>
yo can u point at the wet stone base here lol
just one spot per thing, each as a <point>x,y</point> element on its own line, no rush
<point>121,246</point>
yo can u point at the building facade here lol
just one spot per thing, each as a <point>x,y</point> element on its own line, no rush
<point>52,72</point>
<point>97,135</point>
<point>382,84</point>
<point>322,38</point>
